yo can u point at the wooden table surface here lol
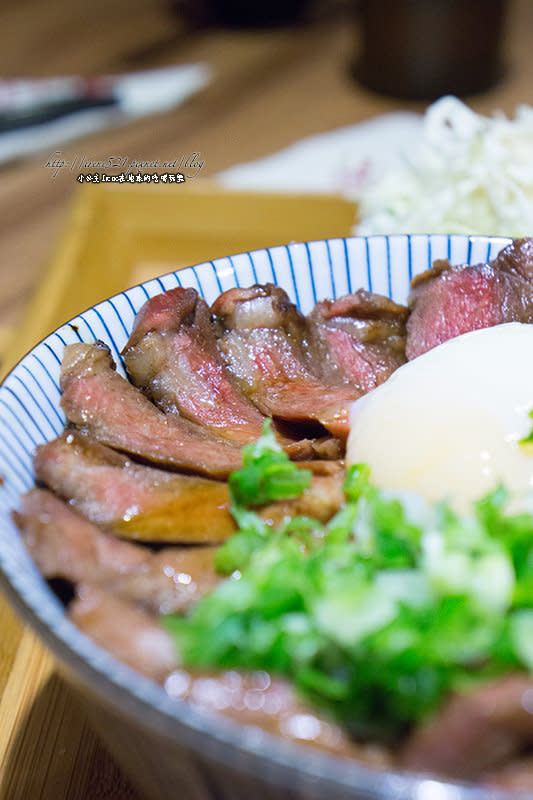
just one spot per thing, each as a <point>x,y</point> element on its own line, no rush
<point>269,89</point>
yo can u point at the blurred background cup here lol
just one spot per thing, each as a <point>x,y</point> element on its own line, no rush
<point>422,49</point>
<point>244,13</point>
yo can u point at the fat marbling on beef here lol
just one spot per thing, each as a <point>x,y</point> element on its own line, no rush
<point>263,339</point>
<point>139,502</point>
<point>361,336</point>
<point>64,545</point>
<point>132,500</point>
<point>105,405</point>
<point>447,301</point>
<point>476,732</point>
<point>172,355</point>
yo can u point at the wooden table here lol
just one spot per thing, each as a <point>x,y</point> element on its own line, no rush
<point>269,89</point>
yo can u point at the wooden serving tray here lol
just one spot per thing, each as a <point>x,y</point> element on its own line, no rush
<point>116,237</point>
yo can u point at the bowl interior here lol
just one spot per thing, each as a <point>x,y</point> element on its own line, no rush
<point>30,414</point>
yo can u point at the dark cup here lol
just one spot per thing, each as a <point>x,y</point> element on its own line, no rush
<point>257,13</point>
<point>242,13</point>
<point>422,49</point>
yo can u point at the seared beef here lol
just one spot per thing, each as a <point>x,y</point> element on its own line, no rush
<point>361,335</point>
<point>128,633</point>
<point>517,258</point>
<point>172,580</point>
<point>447,301</point>
<point>321,500</point>
<point>131,500</point>
<point>256,698</point>
<point>475,732</point>
<point>250,698</point>
<point>173,357</point>
<point>64,545</point>
<point>263,342</point>
<point>516,775</point>
<point>106,406</point>
<point>137,502</point>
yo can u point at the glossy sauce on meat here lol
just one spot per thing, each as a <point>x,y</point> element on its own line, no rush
<point>172,354</point>
<point>263,341</point>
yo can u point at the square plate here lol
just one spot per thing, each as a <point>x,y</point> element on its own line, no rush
<point>118,236</point>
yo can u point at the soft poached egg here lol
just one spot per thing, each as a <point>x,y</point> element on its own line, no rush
<point>448,424</point>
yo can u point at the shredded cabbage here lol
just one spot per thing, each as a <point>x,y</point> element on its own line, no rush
<point>472,174</point>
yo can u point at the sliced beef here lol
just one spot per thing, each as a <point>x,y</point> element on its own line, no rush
<point>264,345</point>
<point>252,698</point>
<point>447,301</point>
<point>321,500</point>
<point>128,633</point>
<point>475,732</point>
<point>517,258</point>
<point>65,545</point>
<point>106,406</point>
<point>172,580</point>
<point>362,336</point>
<point>328,468</point>
<point>131,500</point>
<point>516,775</point>
<point>173,357</point>
<point>257,698</point>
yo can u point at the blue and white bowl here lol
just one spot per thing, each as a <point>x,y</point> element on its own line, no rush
<point>170,749</point>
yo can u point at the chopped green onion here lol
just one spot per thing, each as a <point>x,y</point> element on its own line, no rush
<point>375,615</point>
<point>267,473</point>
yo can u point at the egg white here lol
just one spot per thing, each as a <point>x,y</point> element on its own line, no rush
<point>447,424</point>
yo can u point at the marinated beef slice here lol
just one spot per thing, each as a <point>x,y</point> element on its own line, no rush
<point>131,500</point>
<point>476,732</point>
<point>268,702</point>
<point>362,336</point>
<point>252,698</point>
<point>108,408</point>
<point>263,340</point>
<point>321,500</point>
<point>142,503</point>
<point>128,633</point>
<point>517,258</point>
<point>64,545</point>
<point>172,356</point>
<point>447,301</point>
<point>515,775</point>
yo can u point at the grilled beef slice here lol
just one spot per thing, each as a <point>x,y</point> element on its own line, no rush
<point>263,343</point>
<point>107,407</point>
<point>447,301</point>
<point>64,545</point>
<point>517,258</point>
<point>172,356</point>
<point>475,732</point>
<point>128,633</point>
<point>362,335</point>
<point>131,500</point>
<point>516,775</point>
<point>259,699</point>
<point>252,698</point>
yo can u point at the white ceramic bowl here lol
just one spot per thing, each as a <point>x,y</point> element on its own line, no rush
<point>169,748</point>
